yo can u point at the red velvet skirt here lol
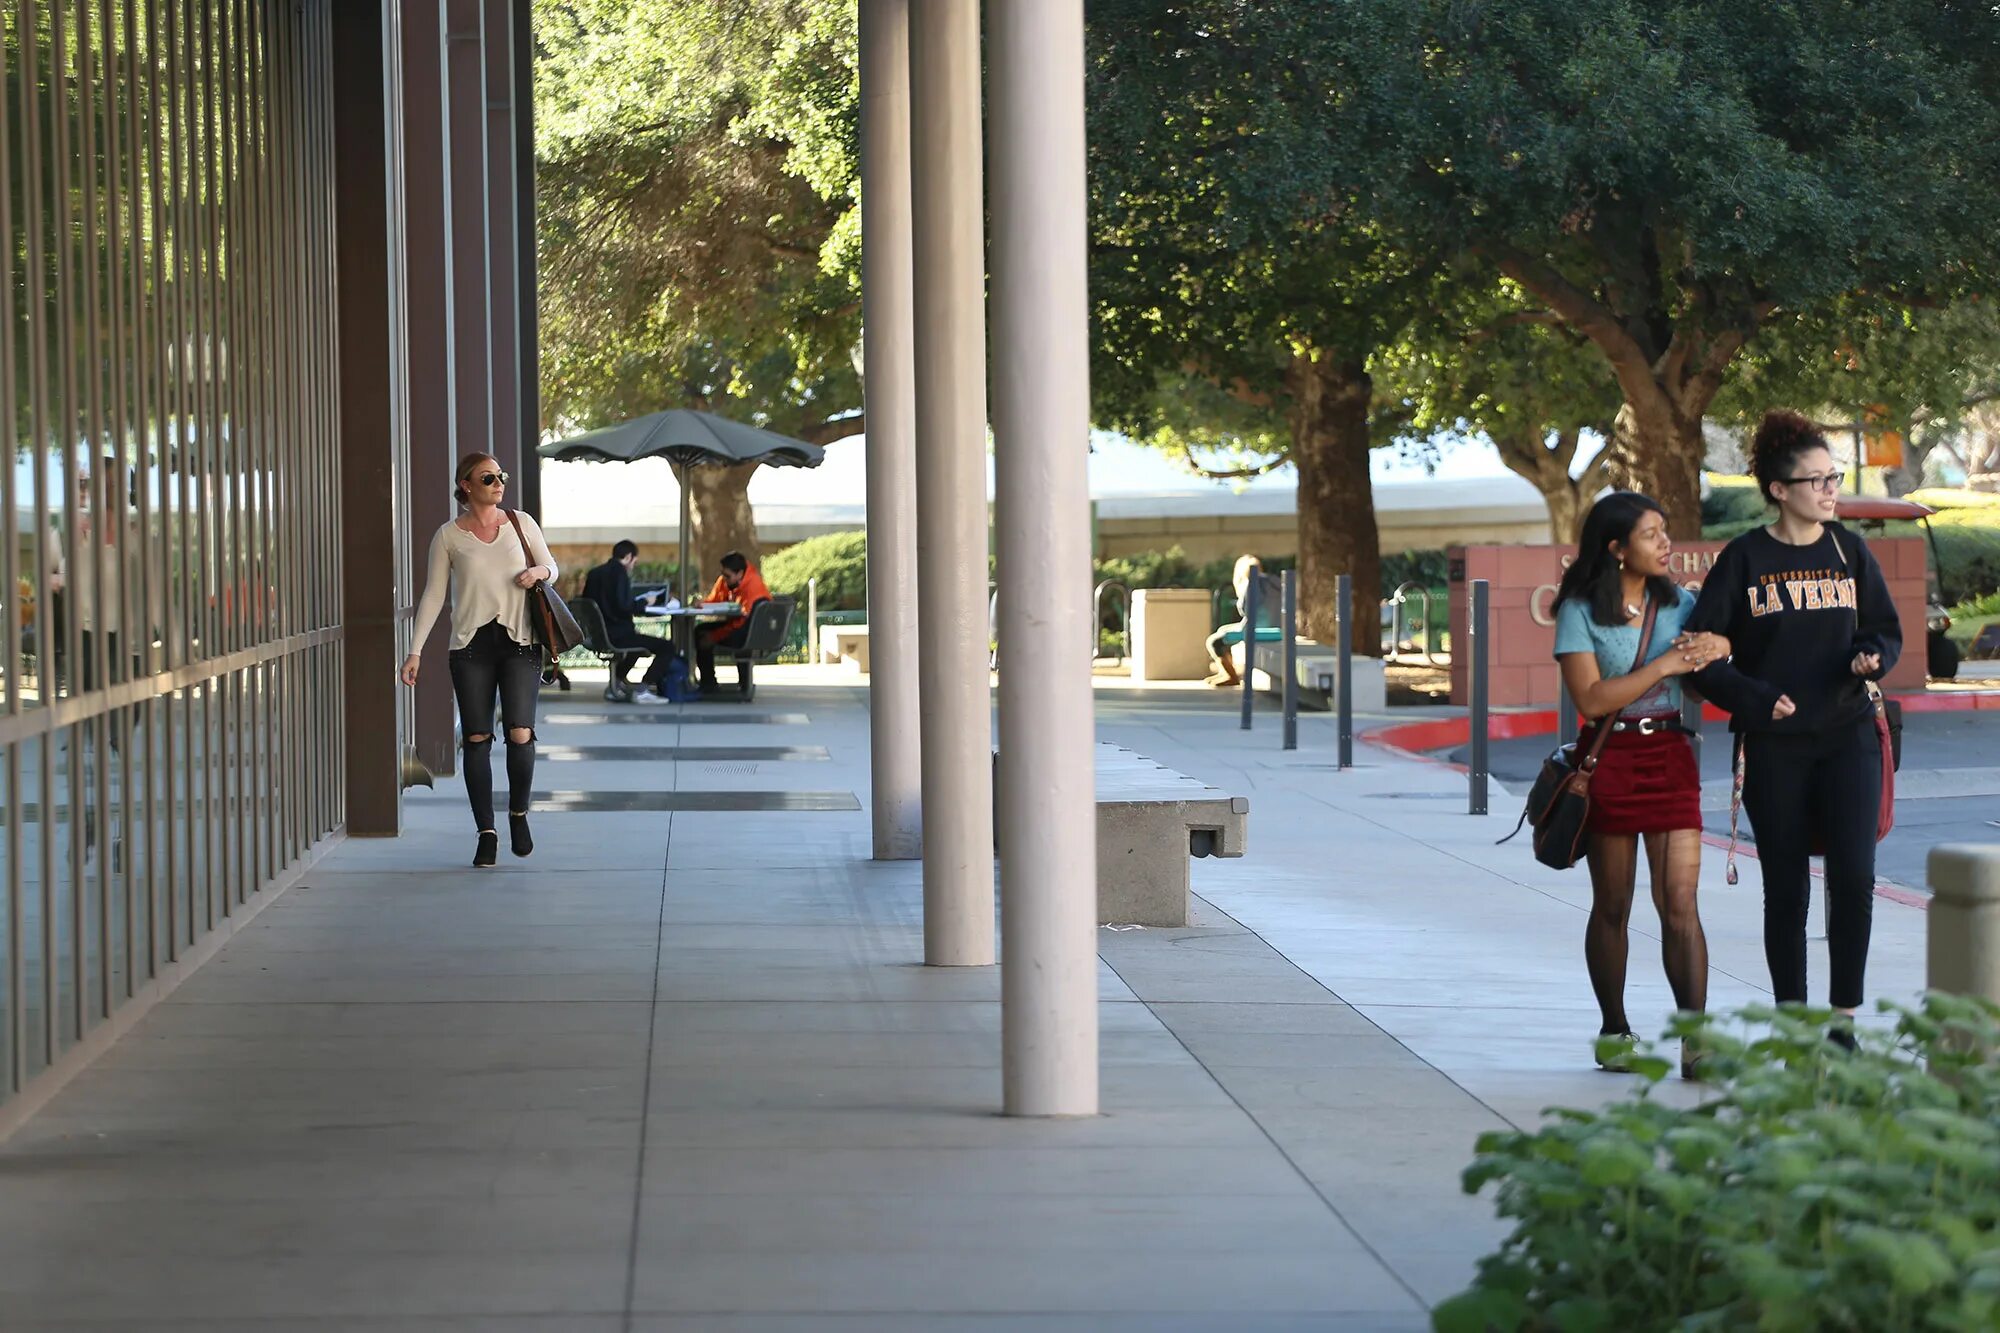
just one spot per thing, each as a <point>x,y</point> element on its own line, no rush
<point>1644,784</point>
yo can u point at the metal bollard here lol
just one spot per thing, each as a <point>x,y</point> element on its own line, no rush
<point>1964,920</point>
<point>1568,725</point>
<point>1291,659</point>
<point>1481,664</point>
<point>1343,596</point>
<point>1250,609</point>
<point>812,619</point>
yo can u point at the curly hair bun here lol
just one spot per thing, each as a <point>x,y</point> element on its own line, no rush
<point>1781,437</point>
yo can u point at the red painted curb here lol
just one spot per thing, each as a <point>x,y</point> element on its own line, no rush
<point>1415,737</point>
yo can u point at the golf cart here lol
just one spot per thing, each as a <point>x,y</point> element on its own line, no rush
<point>1870,512</point>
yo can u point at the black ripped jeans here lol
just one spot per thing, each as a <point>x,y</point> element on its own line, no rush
<point>489,666</point>
<point>1816,790</point>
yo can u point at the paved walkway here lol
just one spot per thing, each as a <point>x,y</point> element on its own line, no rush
<point>683,1071</point>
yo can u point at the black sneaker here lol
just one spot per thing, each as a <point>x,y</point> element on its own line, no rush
<point>1842,1035</point>
<point>489,850</point>
<point>517,829</point>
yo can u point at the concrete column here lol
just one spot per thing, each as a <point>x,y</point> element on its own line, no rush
<point>465,149</point>
<point>503,274</point>
<point>950,273</point>
<point>1964,920</point>
<point>889,374</point>
<point>529,489</point>
<point>427,233</point>
<point>1041,428</point>
<point>369,386</point>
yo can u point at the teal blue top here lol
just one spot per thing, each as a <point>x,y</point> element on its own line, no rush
<point>1577,631</point>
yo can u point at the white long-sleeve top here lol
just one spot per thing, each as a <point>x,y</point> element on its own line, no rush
<point>480,576</point>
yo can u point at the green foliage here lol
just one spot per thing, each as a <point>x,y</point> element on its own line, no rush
<point>838,559</point>
<point>1667,177</point>
<point>697,206</point>
<point>1817,1190</point>
<point>1732,500</point>
<point>1947,497</point>
<point>1429,568</point>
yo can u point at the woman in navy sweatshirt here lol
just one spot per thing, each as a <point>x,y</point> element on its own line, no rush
<point>1808,613</point>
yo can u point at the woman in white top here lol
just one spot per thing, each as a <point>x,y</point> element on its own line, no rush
<point>481,558</point>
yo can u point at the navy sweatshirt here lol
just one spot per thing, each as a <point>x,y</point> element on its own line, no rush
<point>1795,617</point>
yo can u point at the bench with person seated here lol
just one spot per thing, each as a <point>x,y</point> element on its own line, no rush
<point>597,639</point>
<point>1151,822</point>
<point>770,625</point>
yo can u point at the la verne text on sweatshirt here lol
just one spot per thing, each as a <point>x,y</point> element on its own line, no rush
<point>1795,617</point>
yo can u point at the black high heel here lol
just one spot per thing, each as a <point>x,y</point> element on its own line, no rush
<point>489,850</point>
<point>517,828</point>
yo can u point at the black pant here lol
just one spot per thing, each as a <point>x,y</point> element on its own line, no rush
<point>662,651</point>
<point>704,653</point>
<point>493,664</point>
<point>1816,790</point>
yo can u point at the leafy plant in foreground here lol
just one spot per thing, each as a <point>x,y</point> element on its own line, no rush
<point>1817,1190</point>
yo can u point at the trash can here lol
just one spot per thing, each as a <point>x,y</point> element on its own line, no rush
<point>1170,629</point>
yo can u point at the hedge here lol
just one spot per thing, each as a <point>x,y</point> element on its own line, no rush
<point>840,561</point>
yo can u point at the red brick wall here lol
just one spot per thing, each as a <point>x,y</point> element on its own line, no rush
<point>1523,580</point>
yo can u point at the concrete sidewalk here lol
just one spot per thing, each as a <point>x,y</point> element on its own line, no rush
<point>683,1069</point>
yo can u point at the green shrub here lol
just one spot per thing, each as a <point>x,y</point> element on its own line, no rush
<point>1428,568</point>
<point>1731,500</point>
<point>1953,497</point>
<point>1818,1190</point>
<point>838,559</point>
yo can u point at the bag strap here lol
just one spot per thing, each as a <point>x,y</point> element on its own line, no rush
<point>1872,688</point>
<point>1737,807</point>
<point>520,536</point>
<point>1638,660</point>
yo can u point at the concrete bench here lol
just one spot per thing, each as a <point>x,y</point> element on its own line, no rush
<point>1151,821</point>
<point>1319,675</point>
<point>845,644</point>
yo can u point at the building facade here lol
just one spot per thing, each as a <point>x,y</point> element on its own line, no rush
<point>264,271</point>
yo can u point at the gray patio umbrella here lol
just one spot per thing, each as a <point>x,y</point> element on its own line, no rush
<point>687,439</point>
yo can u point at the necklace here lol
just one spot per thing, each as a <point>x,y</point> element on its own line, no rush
<point>1631,610</point>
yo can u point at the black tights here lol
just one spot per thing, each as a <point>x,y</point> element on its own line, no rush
<point>1806,793</point>
<point>1674,860</point>
<point>494,666</point>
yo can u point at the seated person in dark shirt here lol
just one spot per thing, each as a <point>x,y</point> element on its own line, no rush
<point>610,586</point>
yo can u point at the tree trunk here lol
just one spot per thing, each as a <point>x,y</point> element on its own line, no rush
<point>722,522</point>
<point>1663,452</point>
<point>1547,465</point>
<point>1336,500</point>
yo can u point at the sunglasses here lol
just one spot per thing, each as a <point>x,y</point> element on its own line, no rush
<point>1829,481</point>
<point>488,478</point>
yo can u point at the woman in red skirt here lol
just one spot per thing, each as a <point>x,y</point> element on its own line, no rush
<point>1646,784</point>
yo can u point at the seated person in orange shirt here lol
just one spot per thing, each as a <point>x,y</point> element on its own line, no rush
<point>742,584</point>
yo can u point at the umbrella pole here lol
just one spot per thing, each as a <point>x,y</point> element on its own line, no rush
<point>687,588</point>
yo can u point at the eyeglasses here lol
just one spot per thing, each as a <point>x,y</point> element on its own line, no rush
<point>488,478</point>
<point>1828,481</point>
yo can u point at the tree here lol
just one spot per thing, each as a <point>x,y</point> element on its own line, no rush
<point>1240,296</point>
<point>1491,362</point>
<point>1871,365</point>
<point>1666,176</point>
<point>698,223</point>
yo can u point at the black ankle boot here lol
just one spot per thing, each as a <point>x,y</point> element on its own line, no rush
<point>517,827</point>
<point>489,849</point>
